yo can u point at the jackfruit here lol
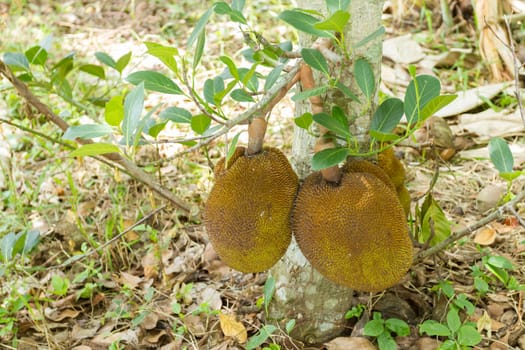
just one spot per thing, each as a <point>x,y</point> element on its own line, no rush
<point>354,232</point>
<point>393,167</point>
<point>364,166</point>
<point>247,214</point>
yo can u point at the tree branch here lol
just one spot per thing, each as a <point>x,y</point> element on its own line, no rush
<point>497,214</point>
<point>116,158</point>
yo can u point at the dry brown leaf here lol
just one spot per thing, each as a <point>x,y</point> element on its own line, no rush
<point>232,328</point>
<point>347,343</point>
<point>485,323</point>
<point>155,337</point>
<point>81,347</point>
<point>79,332</point>
<point>130,235</point>
<point>129,279</point>
<point>150,321</point>
<point>485,236</point>
<point>149,263</point>
<point>59,315</point>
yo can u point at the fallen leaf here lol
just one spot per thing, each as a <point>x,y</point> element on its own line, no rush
<point>129,280</point>
<point>470,99</point>
<point>485,323</point>
<point>403,49</point>
<point>232,328</point>
<point>490,123</point>
<point>150,266</point>
<point>347,343</point>
<point>59,315</point>
<point>79,332</point>
<point>485,236</point>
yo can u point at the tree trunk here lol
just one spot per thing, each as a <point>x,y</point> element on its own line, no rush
<point>317,304</point>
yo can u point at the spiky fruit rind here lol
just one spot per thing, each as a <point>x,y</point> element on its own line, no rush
<point>392,166</point>
<point>354,233</point>
<point>364,166</point>
<point>247,214</point>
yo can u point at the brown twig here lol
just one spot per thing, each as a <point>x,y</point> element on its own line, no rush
<point>517,67</point>
<point>116,158</point>
<point>497,214</point>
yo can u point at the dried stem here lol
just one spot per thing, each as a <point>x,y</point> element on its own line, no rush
<point>116,158</point>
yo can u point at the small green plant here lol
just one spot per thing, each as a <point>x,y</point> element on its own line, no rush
<point>356,311</point>
<point>382,330</point>
<point>460,334</point>
<point>495,268</point>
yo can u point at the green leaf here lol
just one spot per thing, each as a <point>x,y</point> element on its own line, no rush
<point>397,326</point>
<point>133,106</point>
<point>231,148</point>
<point>383,136</point>
<point>122,62</point>
<point>334,123</point>
<point>500,261</point>
<point>199,50</point>
<point>106,59</point>
<point>272,77</point>
<point>199,27</point>
<point>241,95</point>
<point>315,59</point>
<point>238,5</point>
<point>200,123</point>
<point>377,33</point>
<point>290,325</point>
<point>439,230</point>
<point>386,342</point>
<point>176,115</point>
<point>334,5</point>
<point>155,129</point>
<point>94,149</point>
<point>468,336</point>
<point>164,54</point>
<point>348,93</point>
<point>7,246</point>
<point>59,285</point>
<point>463,303</point>
<point>304,121</point>
<point>94,70</point>
<point>481,285</point>
<point>309,93</point>
<point>231,66</point>
<point>303,22</point>
<point>16,59</point>
<point>387,115</point>
<point>248,78</point>
<point>154,81</point>
<point>420,91</point>
<point>453,320</point>
<point>364,77</point>
<point>212,88</point>
<point>223,8</point>
<point>336,22</point>
<point>434,328</point>
<point>114,111</point>
<point>329,157</point>
<point>36,55</point>
<point>374,328</point>
<point>87,131</point>
<point>435,105</point>
<point>269,290</point>
<point>500,155</point>
<point>25,242</point>
<point>257,340</point>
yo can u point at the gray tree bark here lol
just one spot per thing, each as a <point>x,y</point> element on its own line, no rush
<point>317,304</point>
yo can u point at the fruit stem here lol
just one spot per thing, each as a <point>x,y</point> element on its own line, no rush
<point>325,141</point>
<point>256,132</point>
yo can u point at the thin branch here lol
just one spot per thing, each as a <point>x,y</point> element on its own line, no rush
<point>497,214</point>
<point>76,258</point>
<point>274,94</point>
<point>117,158</point>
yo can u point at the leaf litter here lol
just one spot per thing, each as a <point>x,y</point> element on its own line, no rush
<point>164,287</point>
